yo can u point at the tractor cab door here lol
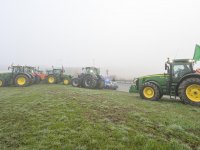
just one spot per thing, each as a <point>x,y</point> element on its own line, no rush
<point>179,70</point>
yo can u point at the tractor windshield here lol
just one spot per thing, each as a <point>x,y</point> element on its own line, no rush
<point>17,69</point>
<point>90,70</point>
<point>57,71</point>
<point>49,71</point>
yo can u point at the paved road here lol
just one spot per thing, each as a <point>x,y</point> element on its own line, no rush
<point>123,87</point>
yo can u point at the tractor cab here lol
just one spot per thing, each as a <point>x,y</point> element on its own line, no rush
<point>58,71</point>
<point>16,69</point>
<point>29,69</point>
<point>178,68</point>
<point>91,70</point>
<point>55,71</point>
<point>49,72</point>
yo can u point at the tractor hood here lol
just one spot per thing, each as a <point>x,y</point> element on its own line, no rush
<point>158,79</point>
<point>155,76</point>
<point>5,75</point>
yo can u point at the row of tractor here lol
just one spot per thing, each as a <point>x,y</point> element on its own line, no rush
<point>181,80</point>
<point>22,76</point>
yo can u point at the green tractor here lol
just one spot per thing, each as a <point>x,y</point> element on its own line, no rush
<point>180,80</point>
<point>56,76</point>
<point>89,78</point>
<point>17,77</point>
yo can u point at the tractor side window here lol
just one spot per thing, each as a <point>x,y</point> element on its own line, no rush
<point>181,70</point>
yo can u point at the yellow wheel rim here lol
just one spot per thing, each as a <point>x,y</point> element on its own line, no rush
<point>148,92</point>
<point>66,82</point>
<point>193,92</point>
<point>51,79</point>
<point>21,81</point>
<point>1,83</point>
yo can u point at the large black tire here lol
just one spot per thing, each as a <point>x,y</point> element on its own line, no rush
<point>75,82</point>
<point>2,83</point>
<point>21,80</point>
<point>101,84</point>
<point>150,91</point>
<point>189,91</point>
<point>89,82</point>
<point>51,79</point>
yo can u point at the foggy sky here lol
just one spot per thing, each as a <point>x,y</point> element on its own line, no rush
<point>128,37</point>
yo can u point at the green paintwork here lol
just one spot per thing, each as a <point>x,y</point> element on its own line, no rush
<point>177,71</point>
<point>160,79</point>
<point>6,78</point>
<point>9,77</point>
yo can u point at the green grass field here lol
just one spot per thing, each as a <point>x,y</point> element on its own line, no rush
<point>63,117</point>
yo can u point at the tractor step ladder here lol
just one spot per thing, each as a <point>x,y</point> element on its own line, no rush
<point>173,90</point>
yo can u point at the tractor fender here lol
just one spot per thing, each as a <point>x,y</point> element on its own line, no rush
<point>191,75</point>
<point>157,84</point>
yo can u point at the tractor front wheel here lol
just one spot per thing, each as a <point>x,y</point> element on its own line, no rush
<point>75,82</point>
<point>150,91</point>
<point>21,81</point>
<point>189,91</point>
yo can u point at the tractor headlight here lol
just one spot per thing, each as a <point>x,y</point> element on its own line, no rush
<point>191,61</point>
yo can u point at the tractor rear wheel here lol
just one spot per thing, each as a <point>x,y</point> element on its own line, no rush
<point>51,79</point>
<point>150,91</point>
<point>189,91</point>
<point>75,82</point>
<point>2,83</point>
<point>89,82</point>
<point>21,81</point>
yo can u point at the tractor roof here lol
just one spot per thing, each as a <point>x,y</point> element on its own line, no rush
<point>91,68</point>
<point>180,61</point>
<point>57,69</point>
<point>17,66</point>
<point>29,67</point>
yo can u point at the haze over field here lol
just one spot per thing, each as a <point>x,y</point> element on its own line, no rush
<point>128,37</point>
